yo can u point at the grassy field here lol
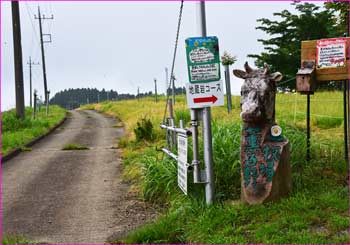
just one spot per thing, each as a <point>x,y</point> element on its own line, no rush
<point>16,133</point>
<point>315,212</point>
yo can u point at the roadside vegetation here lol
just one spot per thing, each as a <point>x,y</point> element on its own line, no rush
<point>315,212</point>
<point>74,147</point>
<point>15,239</point>
<point>16,132</point>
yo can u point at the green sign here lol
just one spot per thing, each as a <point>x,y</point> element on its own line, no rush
<point>203,59</point>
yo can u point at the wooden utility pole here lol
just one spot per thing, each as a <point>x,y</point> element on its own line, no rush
<point>348,87</point>
<point>42,48</point>
<point>35,103</point>
<point>17,48</point>
<point>30,63</point>
<point>155,90</point>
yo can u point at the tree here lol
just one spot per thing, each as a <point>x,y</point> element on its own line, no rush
<point>282,50</point>
<point>341,8</point>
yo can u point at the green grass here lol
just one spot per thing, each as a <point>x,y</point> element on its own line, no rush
<point>16,132</point>
<point>15,239</point>
<point>315,212</point>
<point>72,147</point>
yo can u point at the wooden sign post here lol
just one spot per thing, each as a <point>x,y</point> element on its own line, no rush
<point>322,61</point>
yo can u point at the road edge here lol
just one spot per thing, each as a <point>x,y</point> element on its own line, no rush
<point>18,150</point>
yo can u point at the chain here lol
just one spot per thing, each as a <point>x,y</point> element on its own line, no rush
<point>173,64</point>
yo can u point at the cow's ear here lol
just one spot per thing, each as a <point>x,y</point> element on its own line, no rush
<point>276,77</point>
<point>240,74</point>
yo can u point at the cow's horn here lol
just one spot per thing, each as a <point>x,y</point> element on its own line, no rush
<point>247,68</point>
<point>266,68</point>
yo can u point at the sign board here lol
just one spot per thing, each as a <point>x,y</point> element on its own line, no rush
<point>334,73</point>
<point>182,162</point>
<point>201,95</point>
<point>331,53</point>
<point>203,59</point>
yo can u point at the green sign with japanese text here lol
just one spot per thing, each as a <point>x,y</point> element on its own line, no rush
<point>203,59</point>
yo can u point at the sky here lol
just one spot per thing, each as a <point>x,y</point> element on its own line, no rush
<point>123,45</point>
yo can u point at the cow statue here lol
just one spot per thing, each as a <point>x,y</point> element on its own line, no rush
<point>265,154</point>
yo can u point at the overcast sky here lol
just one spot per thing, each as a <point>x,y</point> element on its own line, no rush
<point>123,45</point>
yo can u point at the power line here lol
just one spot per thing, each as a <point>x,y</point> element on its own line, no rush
<point>34,37</point>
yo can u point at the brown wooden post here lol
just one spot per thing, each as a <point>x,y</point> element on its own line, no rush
<point>17,47</point>
<point>348,82</point>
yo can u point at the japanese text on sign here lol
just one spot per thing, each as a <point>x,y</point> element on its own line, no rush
<point>331,53</point>
<point>201,95</point>
<point>182,163</point>
<point>203,59</point>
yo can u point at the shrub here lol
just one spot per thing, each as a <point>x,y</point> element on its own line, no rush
<point>144,130</point>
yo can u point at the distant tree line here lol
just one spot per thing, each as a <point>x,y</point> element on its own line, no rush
<point>73,98</point>
<point>178,91</point>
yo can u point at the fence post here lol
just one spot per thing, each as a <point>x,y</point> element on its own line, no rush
<point>35,102</point>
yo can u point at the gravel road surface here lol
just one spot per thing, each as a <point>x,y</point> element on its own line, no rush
<point>55,196</point>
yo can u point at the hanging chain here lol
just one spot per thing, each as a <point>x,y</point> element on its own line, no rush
<point>173,64</point>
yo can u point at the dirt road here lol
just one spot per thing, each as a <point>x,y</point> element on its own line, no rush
<point>55,196</point>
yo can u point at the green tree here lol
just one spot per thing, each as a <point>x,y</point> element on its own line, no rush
<point>282,50</point>
<point>341,9</point>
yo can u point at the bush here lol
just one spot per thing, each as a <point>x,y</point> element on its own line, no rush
<point>226,149</point>
<point>144,130</point>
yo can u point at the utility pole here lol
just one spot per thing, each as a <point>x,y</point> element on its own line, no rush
<point>155,90</point>
<point>206,118</point>
<point>42,48</point>
<point>30,63</point>
<point>47,102</point>
<point>138,93</point>
<point>18,62</point>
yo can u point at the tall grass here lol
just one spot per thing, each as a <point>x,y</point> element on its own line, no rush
<point>318,185</point>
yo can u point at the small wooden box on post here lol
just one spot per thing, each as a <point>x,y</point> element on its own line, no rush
<point>306,78</point>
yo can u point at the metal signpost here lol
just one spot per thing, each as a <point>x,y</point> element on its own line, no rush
<point>203,91</point>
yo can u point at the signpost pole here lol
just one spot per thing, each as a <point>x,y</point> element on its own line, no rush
<point>206,117</point>
<point>345,121</point>
<point>348,87</point>
<point>308,128</point>
<point>228,88</point>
